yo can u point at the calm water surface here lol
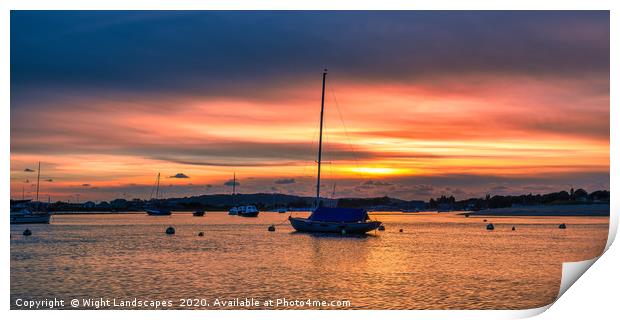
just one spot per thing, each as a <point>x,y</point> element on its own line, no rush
<point>440,261</point>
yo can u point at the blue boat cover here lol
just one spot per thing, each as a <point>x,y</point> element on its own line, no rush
<point>338,215</point>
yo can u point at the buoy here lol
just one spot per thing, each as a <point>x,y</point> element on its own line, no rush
<point>485,220</point>
<point>401,230</point>
<point>200,234</point>
<point>466,216</point>
<point>381,228</point>
<point>490,226</point>
<point>513,228</point>
<point>170,230</point>
<point>562,226</point>
<point>27,232</point>
<point>271,228</point>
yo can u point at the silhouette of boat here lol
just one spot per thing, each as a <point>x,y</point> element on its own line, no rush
<point>246,211</point>
<point>21,213</point>
<point>198,213</point>
<point>332,220</point>
<point>157,209</point>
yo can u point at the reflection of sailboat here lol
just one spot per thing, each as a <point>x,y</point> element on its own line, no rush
<point>156,209</point>
<point>336,220</point>
<point>22,214</point>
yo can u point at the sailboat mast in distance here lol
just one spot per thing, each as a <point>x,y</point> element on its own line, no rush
<point>318,176</point>
<point>38,179</point>
<point>157,188</point>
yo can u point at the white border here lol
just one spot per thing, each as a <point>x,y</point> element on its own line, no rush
<point>600,291</point>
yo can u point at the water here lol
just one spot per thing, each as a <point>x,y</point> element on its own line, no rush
<point>440,261</point>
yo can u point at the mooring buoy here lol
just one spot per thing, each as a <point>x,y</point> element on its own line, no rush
<point>401,230</point>
<point>201,234</point>
<point>271,228</point>
<point>170,230</point>
<point>466,216</point>
<point>513,228</point>
<point>490,226</point>
<point>27,232</point>
<point>485,220</point>
<point>562,226</point>
<point>381,228</point>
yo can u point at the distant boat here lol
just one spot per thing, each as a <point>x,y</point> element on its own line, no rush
<point>157,210</point>
<point>198,213</point>
<point>247,211</point>
<point>332,220</point>
<point>22,214</point>
<point>282,210</point>
<point>233,211</point>
<point>243,211</point>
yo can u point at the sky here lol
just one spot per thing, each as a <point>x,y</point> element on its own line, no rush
<point>418,104</point>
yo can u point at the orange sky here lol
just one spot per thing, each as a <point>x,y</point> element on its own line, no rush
<point>461,133</point>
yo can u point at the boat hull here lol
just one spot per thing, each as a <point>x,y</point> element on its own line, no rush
<point>42,218</point>
<point>305,225</point>
<point>198,214</point>
<point>250,214</point>
<point>158,212</point>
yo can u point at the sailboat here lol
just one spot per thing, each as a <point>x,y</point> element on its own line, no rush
<point>157,210</point>
<point>243,211</point>
<point>22,214</point>
<point>332,220</point>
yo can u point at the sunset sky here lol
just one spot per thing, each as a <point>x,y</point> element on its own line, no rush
<point>418,104</point>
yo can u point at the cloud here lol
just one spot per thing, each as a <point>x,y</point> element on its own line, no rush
<point>208,186</point>
<point>284,181</point>
<point>28,170</point>
<point>85,184</point>
<point>179,176</point>
<point>49,180</point>
<point>231,183</point>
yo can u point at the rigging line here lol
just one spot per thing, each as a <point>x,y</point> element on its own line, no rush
<point>152,190</point>
<point>346,133</point>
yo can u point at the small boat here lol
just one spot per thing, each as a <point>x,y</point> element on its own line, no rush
<point>25,216</point>
<point>22,214</point>
<point>247,211</point>
<point>332,220</point>
<point>282,210</point>
<point>199,213</point>
<point>157,210</point>
<point>233,211</point>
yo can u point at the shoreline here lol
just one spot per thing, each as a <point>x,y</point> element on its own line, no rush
<point>578,210</point>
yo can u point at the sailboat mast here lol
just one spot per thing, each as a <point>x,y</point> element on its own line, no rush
<point>38,179</point>
<point>157,188</point>
<point>234,183</point>
<point>318,176</point>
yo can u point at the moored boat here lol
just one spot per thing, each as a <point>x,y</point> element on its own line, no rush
<point>198,213</point>
<point>247,211</point>
<point>332,220</point>
<point>156,209</point>
<point>21,212</point>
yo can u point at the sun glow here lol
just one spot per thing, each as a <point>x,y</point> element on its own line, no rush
<point>378,171</point>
